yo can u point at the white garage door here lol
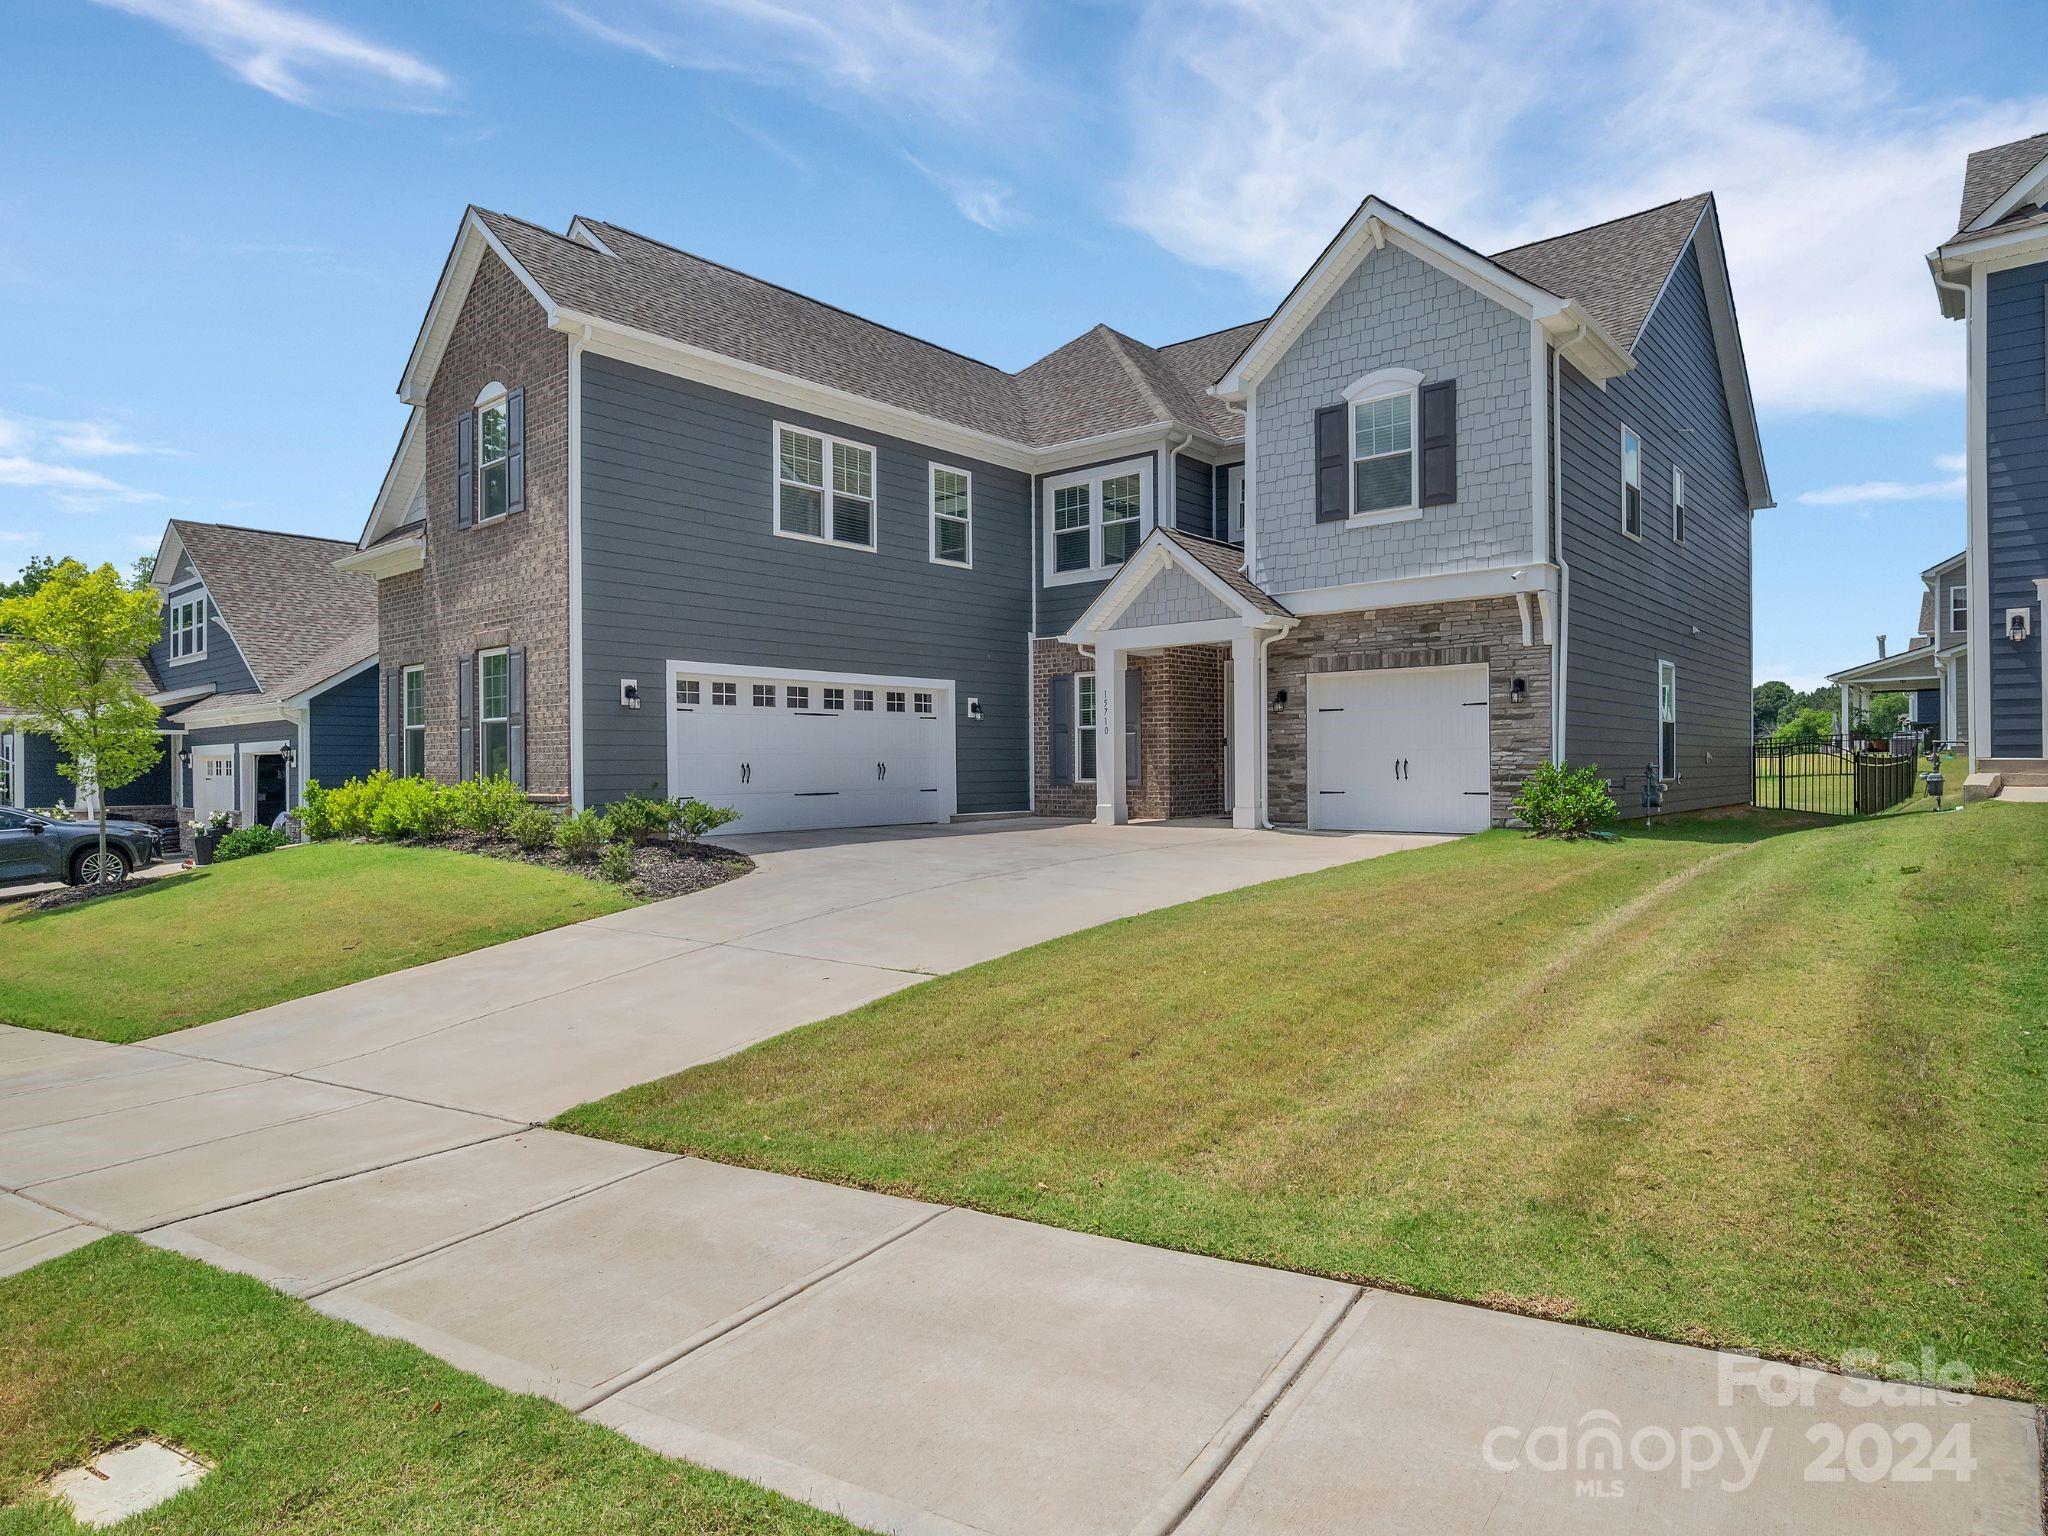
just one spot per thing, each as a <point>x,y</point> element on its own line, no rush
<point>213,783</point>
<point>1399,750</point>
<point>791,751</point>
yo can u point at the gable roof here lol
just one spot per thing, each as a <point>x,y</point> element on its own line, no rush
<point>1617,269</point>
<point>1991,173</point>
<point>286,606</point>
<point>1227,562</point>
<point>1215,566</point>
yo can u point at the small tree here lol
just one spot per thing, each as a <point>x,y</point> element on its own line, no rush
<point>67,666</point>
<point>1886,714</point>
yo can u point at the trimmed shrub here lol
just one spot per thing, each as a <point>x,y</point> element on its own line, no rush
<point>1565,802</point>
<point>532,828</point>
<point>248,841</point>
<point>485,806</point>
<point>694,819</point>
<point>581,837</point>
<point>349,807</point>
<point>314,819</point>
<point>640,818</point>
<point>411,811</point>
<point>616,863</point>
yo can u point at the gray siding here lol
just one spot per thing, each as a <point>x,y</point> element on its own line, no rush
<point>1193,504</point>
<point>1219,493</point>
<point>2016,465</point>
<point>222,666</point>
<point>1060,606</point>
<point>153,788</point>
<point>342,725</point>
<point>1397,311</point>
<point>42,785</point>
<point>680,561</point>
<point>1957,575</point>
<point>1633,603</point>
<point>265,732</point>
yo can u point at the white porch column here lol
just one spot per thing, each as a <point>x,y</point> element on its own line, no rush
<point>1845,714</point>
<point>1112,805</point>
<point>1246,700</point>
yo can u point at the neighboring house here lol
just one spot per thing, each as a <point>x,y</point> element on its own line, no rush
<point>1363,563</point>
<point>1934,668</point>
<point>1993,272</point>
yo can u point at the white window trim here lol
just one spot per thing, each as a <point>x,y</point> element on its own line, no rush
<point>492,394</point>
<point>1147,516</point>
<point>827,495</point>
<point>178,605</point>
<point>1666,772</point>
<point>1233,503</point>
<point>505,720</point>
<point>1677,503</point>
<point>1080,731</point>
<point>1955,591</point>
<point>405,725</point>
<point>1383,384</point>
<point>11,791</point>
<point>931,486</point>
<point>1629,434</point>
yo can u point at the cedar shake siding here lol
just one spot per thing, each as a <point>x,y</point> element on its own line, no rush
<point>2016,493</point>
<point>1634,602</point>
<point>681,562</point>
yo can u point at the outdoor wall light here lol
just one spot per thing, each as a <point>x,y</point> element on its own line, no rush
<point>2019,623</point>
<point>1520,689</point>
<point>184,757</point>
<point>290,754</point>
<point>629,693</point>
<point>1279,701</point>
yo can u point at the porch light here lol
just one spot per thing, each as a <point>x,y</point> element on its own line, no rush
<point>1520,690</point>
<point>184,757</point>
<point>290,754</point>
<point>1279,701</point>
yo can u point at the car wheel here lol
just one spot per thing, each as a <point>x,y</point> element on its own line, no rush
<point>95,868</point>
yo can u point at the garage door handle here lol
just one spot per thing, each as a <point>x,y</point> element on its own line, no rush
<point>881,772</point>
<point>746,773</point>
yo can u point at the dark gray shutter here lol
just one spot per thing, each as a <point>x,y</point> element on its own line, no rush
<point>1333,464</point>
<point>515,714</point>
<point>1061,698</point>
<point>1134,700</point>
<point>1440,443</point>
<point>394,725</point>
<point>465,472</point>
<point>515,451</point>
<point>465,715</point>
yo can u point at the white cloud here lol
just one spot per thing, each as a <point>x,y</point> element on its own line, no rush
<point>70,482</point>
<point>294,57</point>
<point>1865,492</point>
<point>981,199</point>
<point>97,440</point>
<point>1258,127</point>
<point>1954,463</point>
<point>33,452</point>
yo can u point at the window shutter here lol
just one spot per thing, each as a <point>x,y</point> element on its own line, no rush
<point>515,451</point>
<point>394,723</point>
<point>1333,466</point>
<point>515,714</point>
<point>465,715</point>
<point>1440,443</point>
<point>1061,696</point>
<point>465,473</point>
<point>1134,698</point>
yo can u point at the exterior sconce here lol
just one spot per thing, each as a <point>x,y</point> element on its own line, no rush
<point>2019,624</point>
<point>290,754</point>
<point>974,709</point>
<point>184,757</point>
<point>1279,701</point>
<point>629,693</point>
<point>1520,690</point>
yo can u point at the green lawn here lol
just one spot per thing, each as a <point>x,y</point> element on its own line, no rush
<point>190,948</point>
<point>1738,1080</point>
<point>313,1425</point>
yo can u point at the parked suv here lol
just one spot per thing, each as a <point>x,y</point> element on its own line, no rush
<point>33,847</point>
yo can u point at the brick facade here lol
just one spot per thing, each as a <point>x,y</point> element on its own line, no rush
<point>1180,731</point>
<point>499,583</point>
<point>1425,635</point>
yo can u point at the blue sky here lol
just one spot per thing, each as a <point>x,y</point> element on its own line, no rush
<point>220,220</point>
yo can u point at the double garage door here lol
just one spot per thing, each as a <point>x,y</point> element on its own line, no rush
<point>1399,750</point>
<point>793,751</point>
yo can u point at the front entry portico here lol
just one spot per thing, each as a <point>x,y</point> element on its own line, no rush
<point>1178,591</point>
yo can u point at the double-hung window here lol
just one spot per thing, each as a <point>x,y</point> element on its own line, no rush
<point>1631,484</point>
<point>1084,728</point>
<point>1667,720</point>
<point>1959,609</point>
<point>952,497</point>
<point>493,715</point>
<point>1383,453</point>
<point>188,628</point>
<point>1094,519</point>
<point>494,458</point>
<point>1677,504</point>
<point>415,722</point>
<point>824,488</point>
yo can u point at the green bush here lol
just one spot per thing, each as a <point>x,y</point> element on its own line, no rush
<point>348,808</point>
<point>616,863</point>
<point>314,817</point>
<point>581,837</point>
<point>640,818</point>
<point>1815,725</point>
<point>247,841</point>
<point>694,819</point>
<point>485,806</point>
<point>412,811</point>
<point>532,828</point>
<point>1565,802</point>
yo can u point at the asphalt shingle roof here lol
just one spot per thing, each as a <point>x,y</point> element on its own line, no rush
<point>1614,270</point>
<point>1227,561</point>
<point>1990,173</point>
<point>289,610</point>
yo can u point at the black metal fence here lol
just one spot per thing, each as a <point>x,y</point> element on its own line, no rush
<point>1830,776</point>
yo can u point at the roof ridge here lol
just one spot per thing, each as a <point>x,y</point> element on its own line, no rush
<point>1168,346</point>
<point>1130,365</point>
<point>1587,229</point>
<point>273,533</point>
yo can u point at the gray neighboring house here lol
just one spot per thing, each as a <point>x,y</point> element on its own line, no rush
<point>1993,273</point>
<point>1362,563</point>
<point>1933,671</point>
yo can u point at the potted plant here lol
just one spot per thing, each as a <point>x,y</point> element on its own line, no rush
<point>206,835</point>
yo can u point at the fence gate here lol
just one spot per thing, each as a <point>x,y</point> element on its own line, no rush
<point>1829,777</point>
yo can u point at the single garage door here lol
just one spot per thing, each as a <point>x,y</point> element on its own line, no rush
<point>790,752</point>
<point>1399,750</point>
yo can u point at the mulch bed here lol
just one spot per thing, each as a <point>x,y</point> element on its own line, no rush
<point>660,870</point>
<point>72,895</point>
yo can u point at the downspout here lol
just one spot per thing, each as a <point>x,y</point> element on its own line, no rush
<point>1265,808</point>
<point>1562,651</point>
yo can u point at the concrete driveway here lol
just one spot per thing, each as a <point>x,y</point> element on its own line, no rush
<point>828,921</point>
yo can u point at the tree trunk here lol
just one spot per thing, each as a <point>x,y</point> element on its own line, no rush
<point>103,835</point>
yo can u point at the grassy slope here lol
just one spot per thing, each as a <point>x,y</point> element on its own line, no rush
<point>312,1424</point>
<point>191,948</point>
<point>1782,1091</point>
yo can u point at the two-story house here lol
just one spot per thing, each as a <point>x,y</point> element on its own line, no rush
<point>1993,273</point>
<point>1363,563</point>
<point>1934,668</point>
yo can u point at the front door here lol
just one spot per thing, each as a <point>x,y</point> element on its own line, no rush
<point>213,784</point>
<point>270,790</point>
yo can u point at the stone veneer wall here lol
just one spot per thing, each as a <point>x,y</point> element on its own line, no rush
<point>1180,727</point>
<point>1426,635</point>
